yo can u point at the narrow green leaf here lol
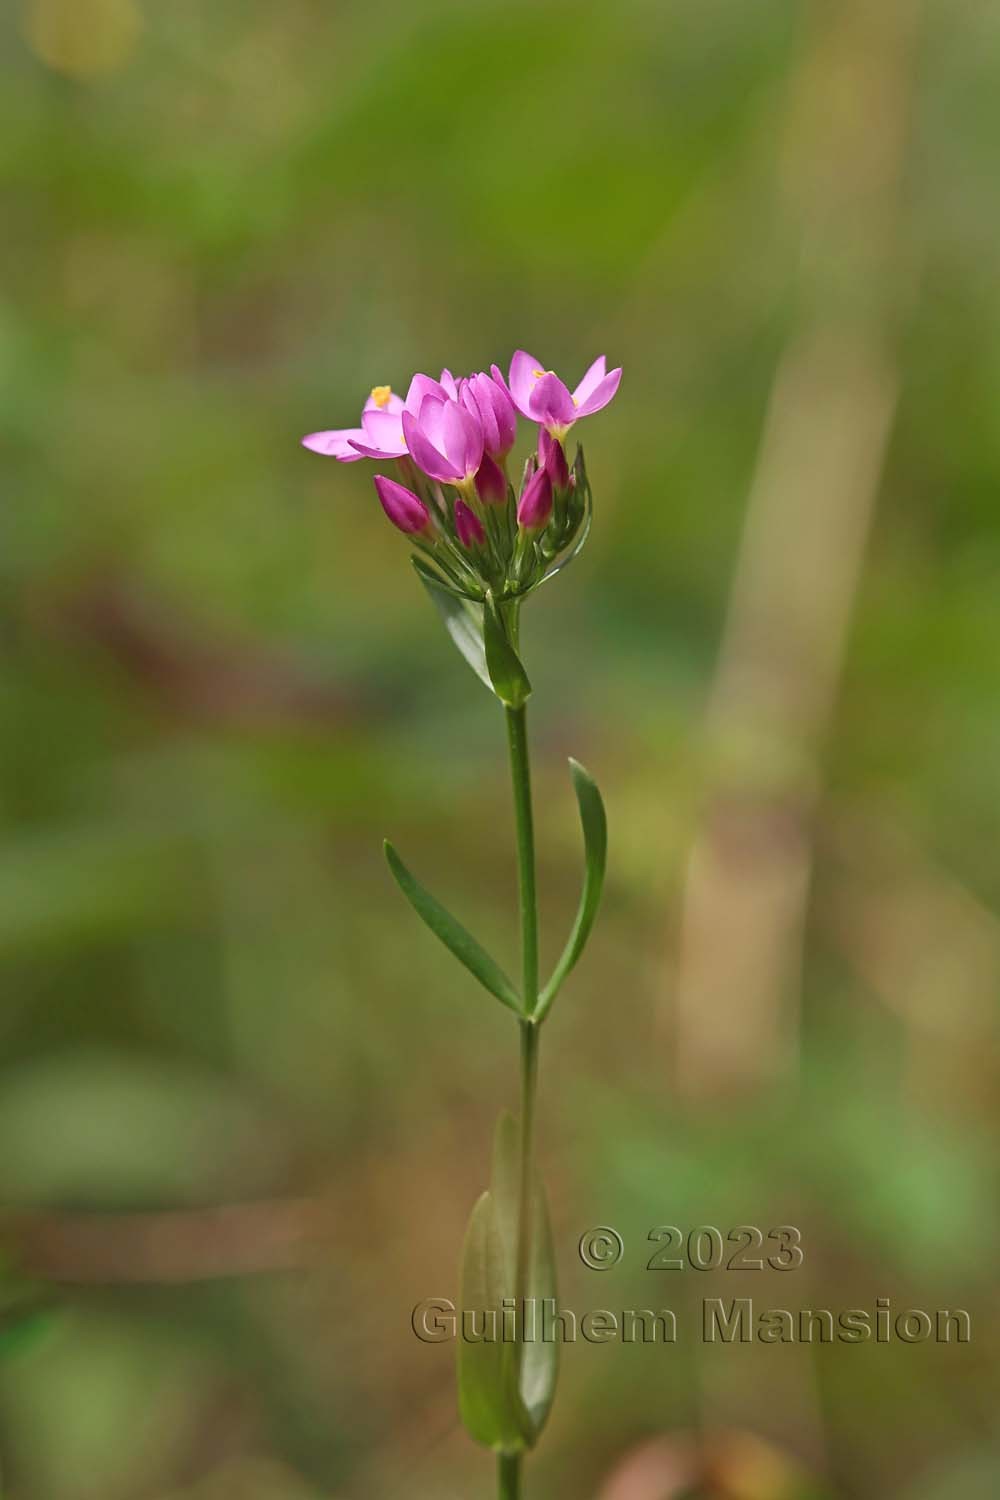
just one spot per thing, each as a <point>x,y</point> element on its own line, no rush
<point>489,1411</point>
<point>509,679</point>
<point>595,847</point>
<point>539,1361</point>
<point>535,1380</point>
<point>462,620</point>
<point>454,936</point>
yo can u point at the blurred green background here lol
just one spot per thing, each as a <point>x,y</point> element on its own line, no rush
<point>246,1101</point>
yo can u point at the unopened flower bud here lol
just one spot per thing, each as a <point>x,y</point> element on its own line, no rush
<point>405,509</point>
<point>535,505</point>
<point>491,486</point>
<point>468,526</point>
<point>489,401</point>
<point>553,459</point>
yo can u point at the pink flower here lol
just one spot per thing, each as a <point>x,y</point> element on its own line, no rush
<point>491,403</point>
<point>380,435</point>
<point>540,395</point>
<point>535,505</point>
<point>468,526</point>
<point>445,440</point>
<point>405,509</point>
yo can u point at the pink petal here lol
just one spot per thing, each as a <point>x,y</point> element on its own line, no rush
<point>422,386</point>
<point>523,380</point>
<point>431,420</point>
<point>448,384</point>
<point>462,435</point>
<point>500,379</point>
<point>335,444</point>
<point>384,430</point>
<point>393,406</point>
<point>484,398</point>
<point>551,403</point>
<point>424,454</point>
<point>601,394</point>
<point>593,377</point>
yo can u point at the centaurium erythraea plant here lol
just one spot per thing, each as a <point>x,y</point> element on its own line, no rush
<point>482,546</point>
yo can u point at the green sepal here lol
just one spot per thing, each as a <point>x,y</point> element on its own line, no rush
<point>455,937</point>
<point>580,515</point>
<point>507,675</point>
<point>595,847</point>
<point>462,616</point>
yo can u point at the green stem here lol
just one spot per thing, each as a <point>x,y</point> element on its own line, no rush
<point>509,1473</point>
<point>520,771</point>
<point>509,1477</point>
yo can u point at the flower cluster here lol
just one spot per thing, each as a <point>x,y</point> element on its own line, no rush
<point>451,441</point>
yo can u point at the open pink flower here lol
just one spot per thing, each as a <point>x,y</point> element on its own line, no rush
<point>380,435</point>
<point>540,395</point>
<point>445,440</point>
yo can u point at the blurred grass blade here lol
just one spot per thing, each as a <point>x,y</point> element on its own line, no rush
<point>595,847</point>
<point>509,679</point>
<point>488,1408</point>
<point>462,620</point>
<point>25,1323</point>
<point>454,936</point>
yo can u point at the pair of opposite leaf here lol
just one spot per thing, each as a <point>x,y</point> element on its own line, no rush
<point>480,635</point>
<point>470,952</point>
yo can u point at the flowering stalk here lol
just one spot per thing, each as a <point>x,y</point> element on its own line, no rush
<point>482,549</point>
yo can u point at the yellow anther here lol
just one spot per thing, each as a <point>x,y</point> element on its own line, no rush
<point>538,374</point>
<point>380,395</point>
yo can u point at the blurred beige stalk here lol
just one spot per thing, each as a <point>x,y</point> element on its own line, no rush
<point>82,38</point>
<point>930,950</point>
<point>811,502</point>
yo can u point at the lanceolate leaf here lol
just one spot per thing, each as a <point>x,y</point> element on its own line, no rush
<point>539,1360</point>
<point>595,845</point>
<point>509,679</point>
<point>534,1374</point>
<point>462,620</point>
<point>454,936</point>
<point>489,1410</point>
